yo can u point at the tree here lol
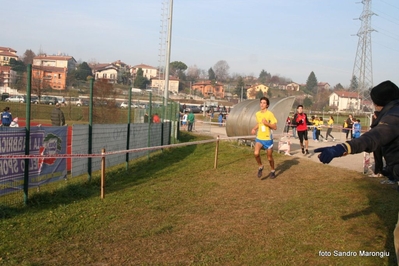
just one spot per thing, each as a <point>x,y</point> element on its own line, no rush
<point>211,74</point>
<point>193,73</point>
<point>338,87</point>
<point>83,72</point>
<point>140,81</point>
<point>221,69</point>
<point>354,84</point>
<point>104,101</point>
<point>240,87</point>
<point>28,57</point>
<point>259,94</point>
<point>311,83</point>
<point>307,102</point>
<point>17,65</point>
<point>264,77</point>
<point>176,68</point>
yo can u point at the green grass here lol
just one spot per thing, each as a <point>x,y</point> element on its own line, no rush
<point>175,209</point>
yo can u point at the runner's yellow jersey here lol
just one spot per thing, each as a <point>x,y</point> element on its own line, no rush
<point>264,132</point>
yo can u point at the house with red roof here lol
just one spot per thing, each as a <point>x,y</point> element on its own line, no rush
<point>345,100</point>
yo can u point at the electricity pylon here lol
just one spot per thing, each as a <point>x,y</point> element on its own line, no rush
<point>363,67</point>
<point>162,40</point>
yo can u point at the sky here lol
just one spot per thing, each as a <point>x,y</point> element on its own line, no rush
<point>288,38</point>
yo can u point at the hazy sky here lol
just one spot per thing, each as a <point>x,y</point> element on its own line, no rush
<point>289,38</point>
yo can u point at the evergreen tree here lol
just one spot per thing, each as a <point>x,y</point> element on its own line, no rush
<point>311,83</point>
<point>241,87</point>
<point>354,84</point>
<point>259,94</point>
<point>17,65</point>
<point>140,81</point>
<point>83,72</point>
<point>307,102</point>
<point>211,74</point>
<point>264,77</point>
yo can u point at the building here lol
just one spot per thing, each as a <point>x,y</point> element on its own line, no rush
<point>253,90</point>
<point>7,76</point>
<point>345,100</point>
<point>323,85</point>
<point>160,84</point>
<point>148,71</point>
<point>292,86</point>
<point>51,71</point>
<point>208,88</point>
<point>107,72</point>
<point>6,54</point>
<point>49,77</point>
<point>60,61</point>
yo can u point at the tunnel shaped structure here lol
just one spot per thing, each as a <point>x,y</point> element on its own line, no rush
<point>242,118</point>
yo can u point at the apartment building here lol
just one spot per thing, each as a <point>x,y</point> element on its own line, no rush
<point>51,71</point>
<point>7,76</point>
<point>6,54</point>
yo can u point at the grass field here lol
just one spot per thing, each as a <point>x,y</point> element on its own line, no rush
<point>175,209</point>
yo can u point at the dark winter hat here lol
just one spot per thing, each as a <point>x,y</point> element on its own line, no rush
<point>384,93</point>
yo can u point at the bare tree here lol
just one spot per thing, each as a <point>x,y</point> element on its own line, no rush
<point>193,73</point>
<point>28,56</point>
<point>221,69</point>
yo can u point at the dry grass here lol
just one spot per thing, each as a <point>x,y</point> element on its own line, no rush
<point>175,209</point>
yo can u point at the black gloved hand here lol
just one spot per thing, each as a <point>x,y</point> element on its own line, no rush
<point>329,153</point>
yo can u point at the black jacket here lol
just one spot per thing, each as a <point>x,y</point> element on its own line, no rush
<point>384,133</point>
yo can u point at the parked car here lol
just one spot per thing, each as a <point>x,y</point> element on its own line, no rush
<point>16,99</point>
<point>98,102</point>
<point>74,101</point>
<point>34,99</point>
<point>125,105</point>
<point>50,100</point>
<point>193,108</point>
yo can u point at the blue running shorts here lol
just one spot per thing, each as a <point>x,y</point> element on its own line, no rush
<point>266,144</point>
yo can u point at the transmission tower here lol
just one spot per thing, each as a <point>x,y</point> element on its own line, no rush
<point>363,67</point>
<point>163,41</point>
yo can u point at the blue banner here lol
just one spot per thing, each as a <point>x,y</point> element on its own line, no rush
<point>43,141</point>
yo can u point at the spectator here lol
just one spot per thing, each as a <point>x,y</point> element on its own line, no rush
<point>384,135</point>
<point>57,116</point>
<point>6,117</point>
<point>156,119</point>
<point>191,120</point>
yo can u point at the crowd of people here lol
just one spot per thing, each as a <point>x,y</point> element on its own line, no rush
<point>351,126</point>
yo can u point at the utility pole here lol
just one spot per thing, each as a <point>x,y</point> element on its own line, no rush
<point>363,66</point>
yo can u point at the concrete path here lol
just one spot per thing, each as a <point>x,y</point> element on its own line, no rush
<point>351,162</point>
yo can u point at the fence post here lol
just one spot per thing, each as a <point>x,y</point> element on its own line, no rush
<point>103,173</point>
<point>216,153</point>
<point>27,132</point>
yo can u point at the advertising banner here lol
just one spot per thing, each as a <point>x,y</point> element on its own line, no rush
<point>43,141</point>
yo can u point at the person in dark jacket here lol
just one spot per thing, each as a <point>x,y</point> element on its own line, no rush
<point>57,116</point>
<point>6,117</point>
<point>384,134</point>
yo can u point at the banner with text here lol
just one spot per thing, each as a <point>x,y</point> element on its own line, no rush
<point>43,141</point>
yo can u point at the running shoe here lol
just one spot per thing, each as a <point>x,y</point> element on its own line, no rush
<point>272,175</point>
<point>307,152</point>
<point>303,151</point>
<point>388,182</point>
<point>260,169</point>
